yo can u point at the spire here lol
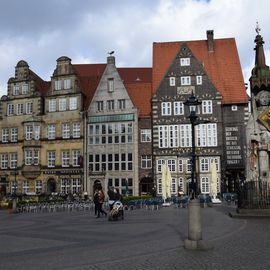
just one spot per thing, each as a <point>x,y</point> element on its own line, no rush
<point>260,58</point>
<point>260,78</point>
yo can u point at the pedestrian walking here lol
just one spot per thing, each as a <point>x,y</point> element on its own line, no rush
<point>101,198</point>
<point>96,201</point>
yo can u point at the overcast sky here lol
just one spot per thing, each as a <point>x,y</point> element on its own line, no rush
<point>40,31</point>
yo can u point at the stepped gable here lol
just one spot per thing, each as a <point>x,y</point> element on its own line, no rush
<point>221,63</point>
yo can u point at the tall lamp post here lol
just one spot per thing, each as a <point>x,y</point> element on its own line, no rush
<point>194,240</point>
<point>14,193</point>
<point>192,102</point>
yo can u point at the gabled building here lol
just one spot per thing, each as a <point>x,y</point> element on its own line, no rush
<point>112,121</point>
<point>211,70</point>
<point>63,132</point>
<point>21,123</point>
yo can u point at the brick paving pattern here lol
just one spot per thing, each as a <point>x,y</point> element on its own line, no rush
<point>144,240</point>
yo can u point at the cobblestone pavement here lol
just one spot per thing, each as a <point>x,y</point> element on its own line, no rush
<point>144,240</point>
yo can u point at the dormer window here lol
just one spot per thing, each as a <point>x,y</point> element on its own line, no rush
<point>16,90</point>
<point>110,85</point>
<point>199,80</point>
<point>57,85</point>
<point>186,80</point>
<point>67,84</point>
<point>25,89</point>
<point>172,81</point>
<point>185,61</point>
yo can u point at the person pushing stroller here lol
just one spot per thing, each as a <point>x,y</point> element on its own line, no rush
<point>115,204</point>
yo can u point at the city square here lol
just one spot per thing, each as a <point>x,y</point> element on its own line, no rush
<point>145,239</point>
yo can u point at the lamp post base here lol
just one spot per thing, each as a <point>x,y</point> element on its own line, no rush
<point>194,241</point>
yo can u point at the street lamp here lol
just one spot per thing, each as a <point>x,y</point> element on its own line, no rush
<point>14,194</point>
<point>192,102</point>
<point>194,240</point>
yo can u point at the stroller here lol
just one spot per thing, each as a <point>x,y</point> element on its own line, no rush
<point>116,212</point>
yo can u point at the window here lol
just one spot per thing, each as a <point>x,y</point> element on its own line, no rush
<point>110,85</point>
<point>146,135</point>
<point>212,134</point>
<point>25,89</point>
<point>67,84</point>
<point>65,158</point>
<point>172,81</point>
<point>234,108</point>
<point>206,135</point>
<point>163,136</point>
<point>29,108</point>
<point>178,108</point>
<point>16,90</point>
<point>207,107</point>
<point>172,165</point>
<point>205,187</point>
<point>199,80</point>
<point>185,61</point>
<point>25,186</point>
<point>65,186</point>
<point>110,105</point>
<point>100,106</point>
<point>73,103</point>
<point>62,104</point>
<point>180,165</point>
<point>36,132</point>
<point>181,184</point>
<point>5,135</point>
<point>173,186</point>
<point>51,132</point>
<point>121,104</point>
<point>36,157</point>
<point>65,131</point>
<point>159,186</point>
<point>19,109</point>
<point>10,109</point>
<point>28,157</point>
<point>204,165</point>
<point>29,132</point>
<point>146,162</point>
<point>76,185</point>
<point>76,130</point>
<point>14,134</point>
<point>189,166</point>
<point>38,186</point>
<point>166,108</point>
<point>186,80</point>
<point>168,136</point>
<point>160,163</point>
<point>4,161</point>
<point>52,105</point>
<point>51,159</point>
<point>57,85</point>
<point>185,135</point>
<point>76,154</point>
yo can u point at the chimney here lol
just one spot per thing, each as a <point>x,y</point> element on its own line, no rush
<point>111,60</point>
<point>210,40</point>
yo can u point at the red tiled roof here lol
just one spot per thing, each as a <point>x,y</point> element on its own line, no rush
<point>138,82</point>
<point>131,75</point>
<point>42,86</point>
<point>222,66</point>
<point>89,76</point>
<point>141,94</point>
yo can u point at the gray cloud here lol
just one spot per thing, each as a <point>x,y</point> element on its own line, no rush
<point>41,31</point>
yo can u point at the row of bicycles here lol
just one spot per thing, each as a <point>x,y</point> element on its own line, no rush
<point>55,207</point>
<point>66,206</point>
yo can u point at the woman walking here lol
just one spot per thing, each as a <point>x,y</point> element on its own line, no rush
<point>101,198</point>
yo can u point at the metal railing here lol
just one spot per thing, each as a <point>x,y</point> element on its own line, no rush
<point>254,195</point>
